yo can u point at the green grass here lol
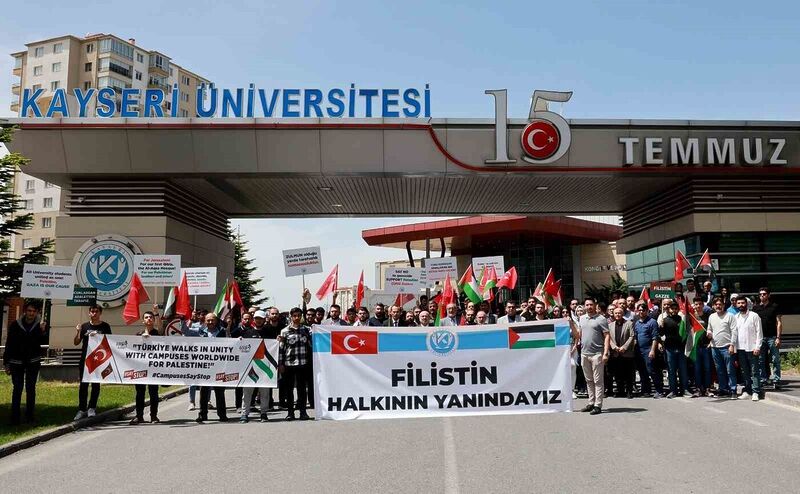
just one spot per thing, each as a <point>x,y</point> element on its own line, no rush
<point>56,404</point>
<point>791,359</point>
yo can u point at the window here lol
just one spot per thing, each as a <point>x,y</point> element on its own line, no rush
<point>140,58</point>
<point>37,87</point>
<point>38,52</point>
<point>56,67</point>
<point>170,71</point>
<point>37,70</point>
<point>44,239</point>
<point>87,85</point>
<point>29,204</point>
<point>47,222</point>
<point>48,202</point>
<point>185,80</point>
<point>48,185</point>
<point>118,47</point>
<point>17,62</point>
<point>58,48</point>
<point>87,67</point>
<point>160,62</point>
<point>26,243</point>
<point>90,48</point>
<point>112,82</point>
<point>138,76</point>
<point>30,185</point>
<point>185,97</point>
<point>55,85</point>
<point>184,113</point>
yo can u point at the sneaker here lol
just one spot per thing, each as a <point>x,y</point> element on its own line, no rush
<point>92,412</point>
<point>574,395</point>
<point>595,411</point>
<point>211,406</point>
<point>671,396</point>
<point>587,408</point>
<point>755,397</point>
<point>745,395</point>
<point>200,419</point>
<point>192,407</point>
<point>289,417</point>
<point>304,416</point>
<point>697,394</point>
<point>155,420</point>
<point>135,421</point>
<point>264,418</point>
<point>244,420</point>
<point>80,415</point>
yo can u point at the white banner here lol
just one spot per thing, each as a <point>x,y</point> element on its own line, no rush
<point>361,373</point>
<point>404,280</point>
<point>201,281</point>
<point>478,263</point>
<point>52,282</point>
<point>171,360</point>
<point>437,269</point>
<point>307,260</point>
<point>158,270</point>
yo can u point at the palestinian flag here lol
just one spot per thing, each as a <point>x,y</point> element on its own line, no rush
<point>526,336</point>
<point>221,301</point>
<point>263,364</point>
<point>698,333</point>
<point>488,281</point>
<point>169,306</point>
<point>469,285</point>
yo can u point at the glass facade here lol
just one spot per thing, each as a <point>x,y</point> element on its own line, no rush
<point>532,256</point>
<point>747,261</point>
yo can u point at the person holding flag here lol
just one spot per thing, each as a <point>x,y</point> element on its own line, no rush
<point>22,359</point>
<point>700,352</point>
<point>95,325</point>
<point>673,331</point>
<point>150,329</point>
<point>264,394</point>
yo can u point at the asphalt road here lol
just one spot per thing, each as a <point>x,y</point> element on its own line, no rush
<point>681,445</point>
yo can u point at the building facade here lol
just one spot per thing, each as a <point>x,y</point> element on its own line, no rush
<point>95,61</point>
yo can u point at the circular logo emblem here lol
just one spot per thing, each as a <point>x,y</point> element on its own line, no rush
<point>540,139</point>
<point>442,341</point>
<point>105,262</point>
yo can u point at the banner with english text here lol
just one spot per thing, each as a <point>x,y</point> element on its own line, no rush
<point>372,373</point>
<point>178,360</point>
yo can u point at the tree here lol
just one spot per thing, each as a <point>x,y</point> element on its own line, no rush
<point>12,223</point>
<point>243,270</point>
<point>603,292</point>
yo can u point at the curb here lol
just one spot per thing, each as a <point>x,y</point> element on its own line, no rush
<point>108,415</point>
<point>783,399</point>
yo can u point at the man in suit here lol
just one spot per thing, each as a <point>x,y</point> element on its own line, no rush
<point>511,314</point>
<point>212,330</point>
<point>451,319</point>
<point>394,321</point>
<point>622,353</point>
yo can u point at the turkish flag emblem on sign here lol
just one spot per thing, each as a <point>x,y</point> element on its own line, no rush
<point>99,355</point>
<point>540,139</point>
<point>361,342</point>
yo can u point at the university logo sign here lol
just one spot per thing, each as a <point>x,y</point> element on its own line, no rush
<point>544,140</point>
<point>105,262</point>
<point>442,341</point>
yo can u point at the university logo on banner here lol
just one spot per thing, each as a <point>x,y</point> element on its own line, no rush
<point>442,371</point>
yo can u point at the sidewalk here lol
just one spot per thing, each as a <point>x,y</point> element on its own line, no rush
<point>788,394</point>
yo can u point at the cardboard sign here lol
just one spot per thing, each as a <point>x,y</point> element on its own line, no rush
<point>201,281</point>
<point>662,290</point>
<point>83,297</point>
<point>479,263</point>
<point>307,260</point>
<point>53,282</point>
<point>158,270</point>
<point>439,267</point>
<point>404,280</point>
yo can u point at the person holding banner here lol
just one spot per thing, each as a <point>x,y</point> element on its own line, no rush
<point>264,394</point>
<point>149,320</point>
<point>82,333</point>
<point>213,330</point>
<point>294,363</point>
<point>22,359</point>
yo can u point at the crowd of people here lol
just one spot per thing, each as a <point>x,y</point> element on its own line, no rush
<point>612,342</point>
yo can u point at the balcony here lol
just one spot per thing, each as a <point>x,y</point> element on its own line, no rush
<point>15,107</point>
<point>15,88</point>
<point>156,84</point>
<point>17,71</point>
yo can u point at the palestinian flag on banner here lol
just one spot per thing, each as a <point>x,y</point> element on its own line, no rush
<point>526,336</point>
<point>264,366</point>
<point>469,285</point>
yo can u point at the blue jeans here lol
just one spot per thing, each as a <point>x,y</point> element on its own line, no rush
<point>192,393</point>
<point>702,368</point>
<point>751,371</point>
<point>726,373</point>
<point>676,367</point>
<point>771,354</point>
<point>652,375</point>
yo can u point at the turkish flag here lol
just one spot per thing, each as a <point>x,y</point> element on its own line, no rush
<point>182,305</point>
<point>136,296</point>
<point>99,355</point>
<point>681,265</point>
<point>361,342</point>
<point>360,290</point>
<point>705,261</point>
<point>509,279</point>
<point>330,284</point>
<point>645,297</point>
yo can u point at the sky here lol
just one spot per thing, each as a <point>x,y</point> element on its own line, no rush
<point>731,60</point>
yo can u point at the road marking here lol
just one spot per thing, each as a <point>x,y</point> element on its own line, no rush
<point>795,436</point>
<point>450,466</point>
<point>714,410</point>
<point>753,422</point>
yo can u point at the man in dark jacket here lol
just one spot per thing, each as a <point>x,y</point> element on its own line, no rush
<point>82,332</point>
<point>213,330</point>
<point>22,359</point>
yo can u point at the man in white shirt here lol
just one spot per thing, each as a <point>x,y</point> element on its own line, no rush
<point>511,314</point>
<point>722,331</point>
<point>748,342</point>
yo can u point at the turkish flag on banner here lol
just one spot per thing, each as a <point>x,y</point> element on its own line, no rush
<point>330,284</point>
<point>361,342</point>
<point>136,296</point>
<point>99,355</point>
